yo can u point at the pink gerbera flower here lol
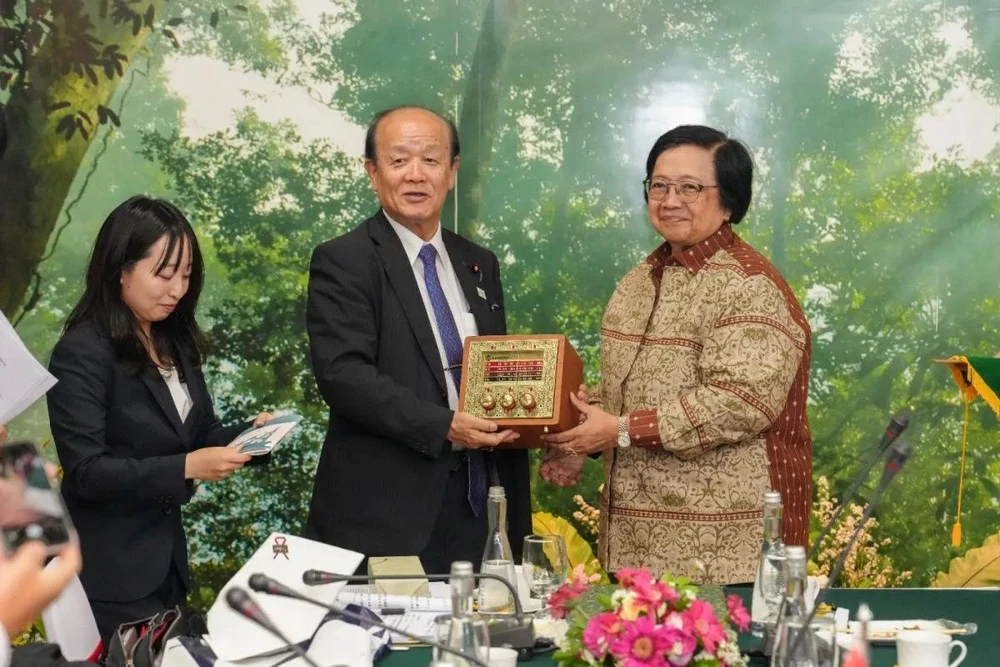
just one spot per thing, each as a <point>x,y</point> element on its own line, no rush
<point>654,595</point>
<point>600,632</point>
<point>701,621</point>
<point>681,645</point>
<point>640,644</point>
<point>738,613</point>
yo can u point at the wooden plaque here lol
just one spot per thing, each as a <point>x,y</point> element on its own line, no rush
<point>522,383</point>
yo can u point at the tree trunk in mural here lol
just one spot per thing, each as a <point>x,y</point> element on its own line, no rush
<point>53,117</point>
<point>481,104</point>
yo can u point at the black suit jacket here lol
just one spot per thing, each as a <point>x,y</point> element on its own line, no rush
<point>382,473</point>
<point>122,447</point>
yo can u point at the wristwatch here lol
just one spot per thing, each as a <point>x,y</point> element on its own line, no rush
<point>623,438</point>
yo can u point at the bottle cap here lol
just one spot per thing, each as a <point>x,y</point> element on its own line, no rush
<point>497,492</point>
<point>772,498</point>
<point>461,567</point>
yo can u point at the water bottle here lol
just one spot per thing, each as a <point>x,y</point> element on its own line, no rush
<point>769,583</point>
<point>796,645</point>
<point>498,559</point>
<point>467,632</point>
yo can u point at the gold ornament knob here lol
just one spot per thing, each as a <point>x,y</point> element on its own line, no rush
<point>487,401</point>
<point>507,401</point>
<point>528,401</point>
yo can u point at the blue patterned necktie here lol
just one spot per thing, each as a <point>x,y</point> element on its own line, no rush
<point>452,343</point>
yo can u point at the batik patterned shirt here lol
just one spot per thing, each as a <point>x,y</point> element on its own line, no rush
<point>707,353</point>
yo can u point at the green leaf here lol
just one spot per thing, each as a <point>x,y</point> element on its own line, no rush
<point>91,74</point>
<point>213,20</point>
<point>175,21</point>
<point>242,8</point>
<point>57,106</point>
<point>148,18</point>
<point>114,117</point>
<point>172,37</point>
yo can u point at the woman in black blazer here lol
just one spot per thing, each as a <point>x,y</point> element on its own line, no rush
<point>131,417</point>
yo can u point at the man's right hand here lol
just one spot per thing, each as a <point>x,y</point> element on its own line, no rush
<point>472,432</point>
<point>26,587</point>
<point>213,463</point>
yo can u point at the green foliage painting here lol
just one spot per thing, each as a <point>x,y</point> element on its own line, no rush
<point>872,124</point>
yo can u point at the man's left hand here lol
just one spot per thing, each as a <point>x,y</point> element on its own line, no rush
<point>597,432</point>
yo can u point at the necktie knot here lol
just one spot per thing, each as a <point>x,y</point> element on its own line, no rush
<point>427,254</point>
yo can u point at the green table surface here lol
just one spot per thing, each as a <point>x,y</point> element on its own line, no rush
<point>981,606</point>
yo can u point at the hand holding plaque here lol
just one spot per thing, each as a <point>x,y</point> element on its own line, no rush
<point>521,383</point>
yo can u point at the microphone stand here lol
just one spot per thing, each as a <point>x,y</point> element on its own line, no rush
<point>518,634</point>
<point>900,421</point>
<point>264,584</point>
<point>902,452</point>
<point>241,602</point>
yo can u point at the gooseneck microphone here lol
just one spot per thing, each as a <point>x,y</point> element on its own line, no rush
<point>265,584</point>
<point>897,424</point>
<point>518,633</point>
<point>244,605</point>
<point>898,456</point>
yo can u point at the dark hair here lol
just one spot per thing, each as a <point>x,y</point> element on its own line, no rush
<point>125,238</point>
<point>733,164</point>
<point>381,115</point>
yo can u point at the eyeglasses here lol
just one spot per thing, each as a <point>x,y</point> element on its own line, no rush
<point>687,191</point>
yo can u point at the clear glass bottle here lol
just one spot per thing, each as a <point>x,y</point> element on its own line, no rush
<point>796,645</point>
<point>498,559</point>
<point>468,632</point>
<point>769,584</point>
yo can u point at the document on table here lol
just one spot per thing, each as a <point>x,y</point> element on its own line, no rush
<point>22,379</point>
<point>360,595</point>
<point>419,623</point>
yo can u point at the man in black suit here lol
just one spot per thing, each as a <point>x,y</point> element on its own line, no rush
<point>402,471</point>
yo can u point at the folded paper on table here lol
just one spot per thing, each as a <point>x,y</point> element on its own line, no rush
<point>283,558</point>
<point>360,595</point>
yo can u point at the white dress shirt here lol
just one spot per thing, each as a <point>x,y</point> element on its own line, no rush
<point>178,392</point>
<point>4,648</point>
<point>457,302</point>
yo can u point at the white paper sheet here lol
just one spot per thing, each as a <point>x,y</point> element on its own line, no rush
<point>283,558</point>
<point>22,379</point>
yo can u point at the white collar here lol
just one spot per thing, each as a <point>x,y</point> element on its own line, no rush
<point>413,243</point>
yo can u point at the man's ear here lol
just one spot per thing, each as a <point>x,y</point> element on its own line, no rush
<point>370,170</point>
<point>454,172</point>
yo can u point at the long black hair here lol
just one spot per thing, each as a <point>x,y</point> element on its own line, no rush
<point>126,237</point>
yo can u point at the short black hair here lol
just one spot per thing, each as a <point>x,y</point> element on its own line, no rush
<point>732,161</point>
<point>127,236</point>
<point>380,116</point>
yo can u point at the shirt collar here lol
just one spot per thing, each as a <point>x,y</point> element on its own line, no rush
<point>696,257</point>
<point>413,243</point>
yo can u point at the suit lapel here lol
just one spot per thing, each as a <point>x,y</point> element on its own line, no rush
<point>469,277</point>
<point>154,382</point>
<point>195,384</point>
<point>404,284</point>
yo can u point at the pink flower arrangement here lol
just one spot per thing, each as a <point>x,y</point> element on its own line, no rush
<point>647,622</point>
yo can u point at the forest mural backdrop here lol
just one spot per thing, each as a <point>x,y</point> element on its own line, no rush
<point>874,125</point>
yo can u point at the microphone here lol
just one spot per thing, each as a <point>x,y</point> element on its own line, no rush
<point>898,456</point>
<point>244,605</point>
<point>265,584</point>
<point>518,633</point>
<point>897,424</point>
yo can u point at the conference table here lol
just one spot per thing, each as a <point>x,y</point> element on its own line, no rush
<point>980,606</point>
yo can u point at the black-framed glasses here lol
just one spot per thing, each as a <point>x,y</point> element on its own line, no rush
<point>687,191</point>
